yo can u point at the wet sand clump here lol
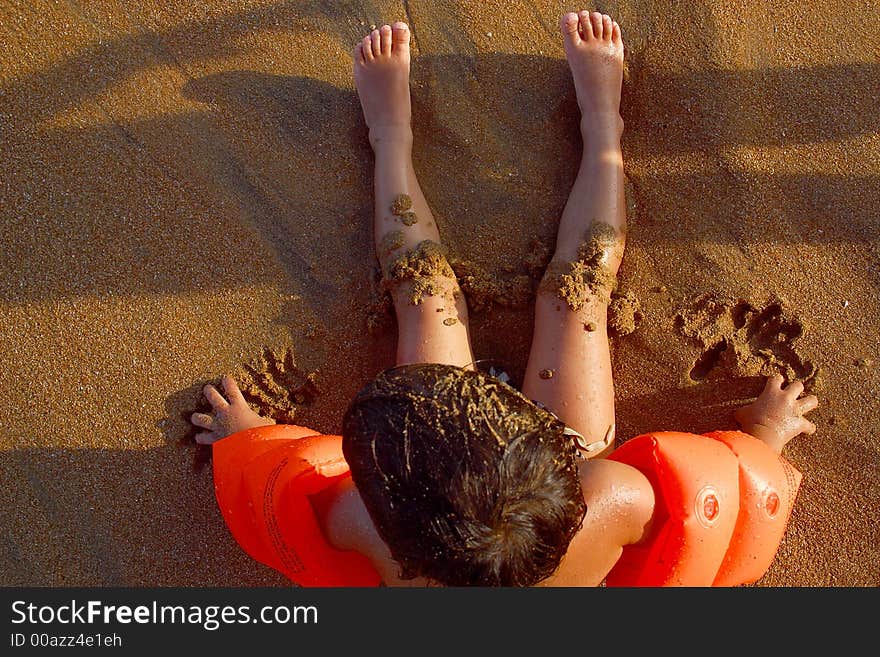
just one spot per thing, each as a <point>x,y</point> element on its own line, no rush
<point>390,243</point>
<point>624,314</point>
<point>428,269</point>
<point>589,275</point>
<point>432,270</point>
<point>537,259</point>
<point>401,203</point>
<point>484,289</point>
<point>408,218</point>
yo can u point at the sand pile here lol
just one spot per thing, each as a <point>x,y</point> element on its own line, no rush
<point>186,192</point>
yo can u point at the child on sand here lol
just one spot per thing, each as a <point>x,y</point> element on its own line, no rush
<point>456,477</point>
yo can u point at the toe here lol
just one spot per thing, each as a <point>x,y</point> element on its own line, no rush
<point>607,27</point>
<point>376,41</point>
<point>399,36</point>
<point>569,27</point>
<point>586,27</point>
<point>385,39</point>
<point>616,35</point>
<point>367,47</point>
<point>596,21</point>
<point>359,53</point>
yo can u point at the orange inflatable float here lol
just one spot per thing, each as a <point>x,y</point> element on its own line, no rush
<point>722,504</point>
<point>723,501</point>
<point>263,478</point>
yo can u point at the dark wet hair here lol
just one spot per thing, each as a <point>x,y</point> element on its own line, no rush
<point>467,481</point>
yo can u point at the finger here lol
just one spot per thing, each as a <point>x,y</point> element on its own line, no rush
<point>807,426</point>
<point>207,437</point>
<point>215,398</point>
<point>774,383</point>
<point>232,392</point>
<point>202,420</point>
<point>794,389</point>
<point>808,403</point>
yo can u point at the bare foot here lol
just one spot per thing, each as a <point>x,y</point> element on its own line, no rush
<point>777,415</point>
<point>229,417</point>
<point>381,75</point>
<point>594,49</point>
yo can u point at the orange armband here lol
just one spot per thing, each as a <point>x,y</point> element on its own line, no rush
<point>723,501</point>
<point>263,478</point>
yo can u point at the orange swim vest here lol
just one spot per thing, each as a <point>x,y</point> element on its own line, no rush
<point>722,504</point>
<point>263,478</point>
<point>723,500</point>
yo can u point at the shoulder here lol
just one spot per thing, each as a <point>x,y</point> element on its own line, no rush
<point>343,518</point>
<point>620,503</point>
<point>620,492</point>
<point>347,525</point>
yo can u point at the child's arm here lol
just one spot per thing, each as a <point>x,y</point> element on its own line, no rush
<point>777,415</point>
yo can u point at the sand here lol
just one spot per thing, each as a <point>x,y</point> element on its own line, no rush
<point>186,191</point>
<point>588,276</point>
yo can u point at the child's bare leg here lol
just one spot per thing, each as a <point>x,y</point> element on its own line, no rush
<point>435,329</point>
<point>569,368</point>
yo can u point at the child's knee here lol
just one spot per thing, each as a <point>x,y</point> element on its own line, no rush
<point>577,283</point>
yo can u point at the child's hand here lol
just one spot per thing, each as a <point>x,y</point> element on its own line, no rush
<point>228,417</point>
<point>777,415</point>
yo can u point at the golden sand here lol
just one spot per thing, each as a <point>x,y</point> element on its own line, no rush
<point>186,185</point>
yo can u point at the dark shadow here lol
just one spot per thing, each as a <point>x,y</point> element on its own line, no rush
<point>176,426</point>
<point>699,408</point>
<point>280,166</point>
<point>102,64</point>
<point>798,105</point>
<point>267,181</point>
<point>95,517</point>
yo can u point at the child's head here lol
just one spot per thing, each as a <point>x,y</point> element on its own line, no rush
<point>467,481</point>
